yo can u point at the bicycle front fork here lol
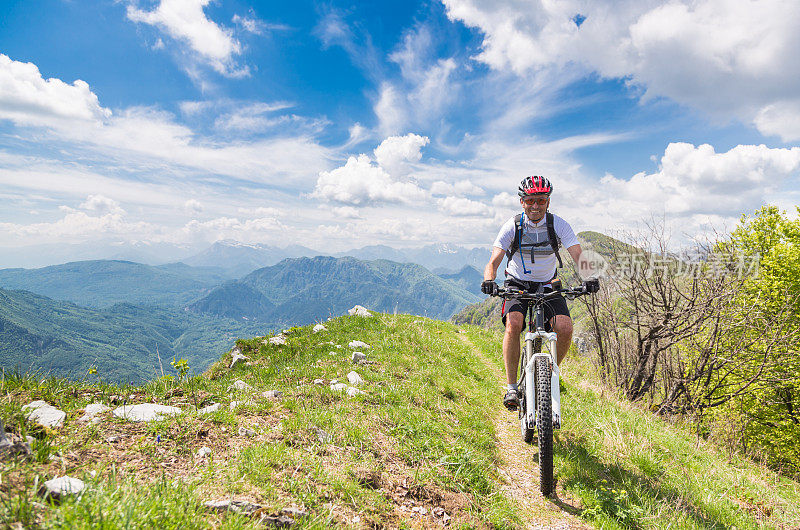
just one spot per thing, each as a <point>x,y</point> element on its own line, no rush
<point>530,389</point>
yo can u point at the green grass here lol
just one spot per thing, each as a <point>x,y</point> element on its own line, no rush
<point>422,433</point>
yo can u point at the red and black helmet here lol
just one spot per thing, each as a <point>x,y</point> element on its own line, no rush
<point>535,185</point>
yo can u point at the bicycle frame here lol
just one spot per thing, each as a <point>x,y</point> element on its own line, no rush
<point>536,331</point>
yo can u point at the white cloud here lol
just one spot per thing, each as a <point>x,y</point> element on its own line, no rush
<point>261,212</point>
<point>346,212</point>
<point>101,205</point>
<point>26,98</point>
<point>726,57</point>
<point>252,117</point>
<point>256,26</point>
<point>781,118</point>
<point>393,153</point>
<point>461,207</point>
<point>697,180</point>
<point>184,20</point>
<point>390,111</point>
<point>359,182</point>
<point>460,187</point>
<point>193,206</point>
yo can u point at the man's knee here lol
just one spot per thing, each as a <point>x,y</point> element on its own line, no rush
<point>514,322</point>
<point>563,325</point>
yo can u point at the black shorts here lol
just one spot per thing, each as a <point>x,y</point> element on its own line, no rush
<point>551,308</point>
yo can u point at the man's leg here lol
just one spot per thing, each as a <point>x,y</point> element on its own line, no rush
<point>562,325</point>
<point>514,323</point>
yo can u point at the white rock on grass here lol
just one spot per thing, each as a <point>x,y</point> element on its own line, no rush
<point>353,344</point>
<point>339,387</point>
<point>359,311</point>
<point>244,431</point>
<point>209,409</point>
<point>240,385</point>
<point>319,382</point>
<point>355,379</point>
<point>93,409</point>
<point>60,487</point>
<point>358,357</point>
<point>272,394</point>
<point>278,340</point>
<point>237,357</point>
<point>45,414</point>
<point>318,328</point>
<point>353,391</point>
<point>145,412</point>
<point>204,451</point>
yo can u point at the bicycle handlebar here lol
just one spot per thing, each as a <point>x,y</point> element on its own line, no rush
<point>569,293</point>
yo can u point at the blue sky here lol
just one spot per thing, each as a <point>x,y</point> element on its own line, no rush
<point>336,125</point>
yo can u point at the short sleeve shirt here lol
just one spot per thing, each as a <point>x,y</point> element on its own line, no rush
<point>542,265</point>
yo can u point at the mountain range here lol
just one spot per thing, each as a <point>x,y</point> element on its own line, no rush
<point>118,315</point>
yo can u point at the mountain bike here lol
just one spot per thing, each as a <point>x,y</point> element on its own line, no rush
<point>538,384</point>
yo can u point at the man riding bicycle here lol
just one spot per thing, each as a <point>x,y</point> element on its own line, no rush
<point>530,241</point>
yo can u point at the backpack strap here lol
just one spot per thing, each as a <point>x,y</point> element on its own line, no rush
<point>551,234</point>
<point>517,237</point>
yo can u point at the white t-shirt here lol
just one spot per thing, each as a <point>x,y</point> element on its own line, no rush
<point>544,263</point>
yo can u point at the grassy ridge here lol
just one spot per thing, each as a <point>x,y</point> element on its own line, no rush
<point>422,436</point>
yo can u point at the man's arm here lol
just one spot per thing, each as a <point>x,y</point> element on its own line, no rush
<point>585,266</point>
<point>490,271</point>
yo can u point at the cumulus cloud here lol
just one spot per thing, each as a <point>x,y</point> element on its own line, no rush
<point>193,206</point>
<point>185,21</point>
<point>696,180</point>
<point>461,207</point>
<point>102,205</point>
<point>26,98</point>
<point>393,153</point>
<point>360,182</point>
<point>722,56</point>
<point>390,110</point>
<point>780,119</point>
<point>346,212</point>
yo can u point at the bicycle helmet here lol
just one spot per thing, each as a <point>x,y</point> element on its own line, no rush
<point>535,185</point>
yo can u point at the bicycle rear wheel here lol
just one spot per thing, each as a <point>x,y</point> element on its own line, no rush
<point>526,430</point>
<point>544,425</point>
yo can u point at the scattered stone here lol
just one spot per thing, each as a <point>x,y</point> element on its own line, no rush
<point>60,487</point>
<point>353,391</point>
<point>420,510</point>
<point>244,431</point>
<point>291,511</point>
<point>319,382</point>
<point>334,381</point>
<point>355,379</point>
<point>358,357</point>
<point>145,412</point>
<point>240,385</point>
<point>318,328</point>
<point>237,357</point>
<point>278,340</point>
<point>112,439</point>
<point>93,409</point>
<point>339,387</point>
<point>331,353</point>
<point>438,511</point>
<point>272,394</point>
<point>204,451</point>
<point>209,409</point>
<point>243,507</point>
<point>45,414</point>
<point>353,344</point>
<point>322,436</point>
<point>359,311</point>
<point>8,447</point>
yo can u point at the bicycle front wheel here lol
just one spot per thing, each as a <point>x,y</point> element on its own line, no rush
<point>544,425</point>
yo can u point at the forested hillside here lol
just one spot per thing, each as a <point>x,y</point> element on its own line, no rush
<point>305,290</point>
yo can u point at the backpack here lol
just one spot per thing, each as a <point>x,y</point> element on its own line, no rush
<point>551,234</point>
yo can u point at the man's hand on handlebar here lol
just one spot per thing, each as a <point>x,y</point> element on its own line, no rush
<point>591,285</point>
<point>489,287</point>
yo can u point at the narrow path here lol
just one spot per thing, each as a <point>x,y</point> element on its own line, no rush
<point>519,471</point>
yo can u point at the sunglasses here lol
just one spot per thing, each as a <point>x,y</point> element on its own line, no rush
<point>531,200</point>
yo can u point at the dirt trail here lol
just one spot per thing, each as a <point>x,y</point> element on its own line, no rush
<point>520,472</point>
